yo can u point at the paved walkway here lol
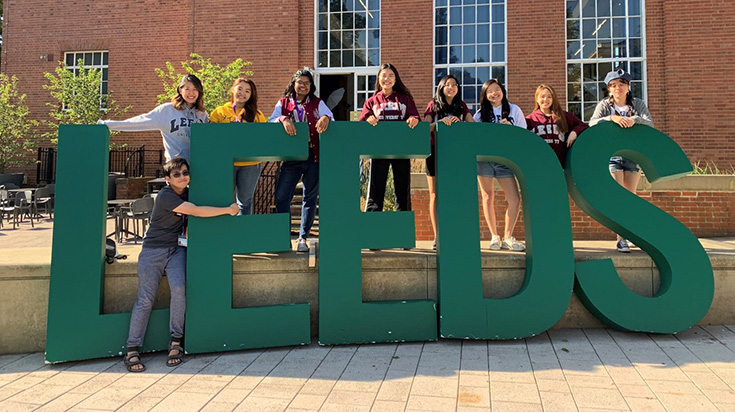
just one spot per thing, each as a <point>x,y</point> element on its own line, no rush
<point>563,370</point>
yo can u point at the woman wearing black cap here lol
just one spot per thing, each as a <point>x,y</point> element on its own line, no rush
<point>625,110</point>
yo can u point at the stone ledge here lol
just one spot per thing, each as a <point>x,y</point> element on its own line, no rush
<point>278,278</point>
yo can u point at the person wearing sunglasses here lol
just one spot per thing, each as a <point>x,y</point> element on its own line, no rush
<point>164,251</point>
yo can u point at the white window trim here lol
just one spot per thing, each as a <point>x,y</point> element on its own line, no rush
<point>643,59</point>
<point>92,66</point>
<point>354,70</point>
<point>450,66</point>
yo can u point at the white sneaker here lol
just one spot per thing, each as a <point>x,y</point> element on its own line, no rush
<point>302,245</point>
<point>512,244</point>
<point>495,243</point>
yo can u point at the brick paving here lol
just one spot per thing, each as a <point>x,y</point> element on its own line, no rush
<point>560,370</point>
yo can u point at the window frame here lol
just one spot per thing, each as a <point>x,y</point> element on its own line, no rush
<point>101,67</point>
<point>472,65</point>
<point>615,62</point>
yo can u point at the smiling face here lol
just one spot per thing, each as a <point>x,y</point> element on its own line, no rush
<point>450,89</point>
<point>190,93</point>
<point>178,179</point>
<point>619,89</point>
<point>545,100</point>
<point>495,95</point>
<point>301,86</point>
<point>387,79</point>
<point>241,93</point>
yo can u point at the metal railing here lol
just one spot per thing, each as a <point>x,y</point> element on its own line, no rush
<point>265,193</point>
<point>136,162</point>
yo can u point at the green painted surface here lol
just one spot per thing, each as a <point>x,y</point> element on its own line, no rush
<point>687,281</point>
<point>212,324</point>
<point>547,286</point>
<point>77,329</point>
<point>345,230</point>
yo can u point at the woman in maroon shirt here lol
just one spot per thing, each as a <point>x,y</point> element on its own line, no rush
<point>392,101</point>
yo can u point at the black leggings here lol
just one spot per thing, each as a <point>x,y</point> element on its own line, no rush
<point>379,178</point>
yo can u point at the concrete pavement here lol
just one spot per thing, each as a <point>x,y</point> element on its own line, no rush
<point>562,370</point>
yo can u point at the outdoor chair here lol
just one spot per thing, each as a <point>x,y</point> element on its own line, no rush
<point>43,199</point>
<point>139,211</point>
<point>24,206</point>
<point>6,207</point>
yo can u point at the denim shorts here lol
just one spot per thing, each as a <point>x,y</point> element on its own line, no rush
<point>492,169</point>
<point>621,164</point>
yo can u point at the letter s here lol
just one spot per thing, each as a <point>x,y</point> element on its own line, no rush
<point>687,281</point>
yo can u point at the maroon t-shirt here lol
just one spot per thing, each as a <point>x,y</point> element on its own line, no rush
<point>431,111</point>
<point>545,127</point>
<point>389,108</point>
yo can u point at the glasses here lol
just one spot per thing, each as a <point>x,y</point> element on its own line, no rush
<point>451,85</point>
<point>304,83</point>
<point>177,175</point>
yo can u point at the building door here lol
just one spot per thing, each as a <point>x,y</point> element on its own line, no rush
<point>337,91</point>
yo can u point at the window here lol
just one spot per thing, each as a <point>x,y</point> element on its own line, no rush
<point>603,35</point>
<point>469,43</point>
<point>90,60</point>
<point>348,33</point>
<point>365,88</point>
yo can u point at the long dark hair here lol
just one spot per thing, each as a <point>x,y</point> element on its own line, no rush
<point>442,107</point>
<point>557,114</point>
<point>251,106</point>
<point>628,97</point>
<point>178,100</point>
<point>486,108</point>
<point>291,92</point>
<point>398,87</point>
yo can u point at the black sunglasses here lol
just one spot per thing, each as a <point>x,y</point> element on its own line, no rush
<point>177,175</point>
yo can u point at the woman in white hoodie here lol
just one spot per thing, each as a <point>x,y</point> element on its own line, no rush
<point>172,119</point>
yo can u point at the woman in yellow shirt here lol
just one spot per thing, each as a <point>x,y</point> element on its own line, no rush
<point>243,107</point>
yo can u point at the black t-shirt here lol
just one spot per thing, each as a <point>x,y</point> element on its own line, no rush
<point>166,226</point>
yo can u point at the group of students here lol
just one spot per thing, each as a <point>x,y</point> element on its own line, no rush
<point>392,101</point>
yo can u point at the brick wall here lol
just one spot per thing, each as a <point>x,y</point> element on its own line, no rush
<point>705,213</point>
<point>691,63</point>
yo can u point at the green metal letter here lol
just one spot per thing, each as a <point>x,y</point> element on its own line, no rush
<point>547,286</point>
<point>212,324</point>
<point>687,281</point>
<point>77,329</point>
<point>345,230</point>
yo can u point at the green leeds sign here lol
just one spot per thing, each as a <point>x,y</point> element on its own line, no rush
<point>78,328</point>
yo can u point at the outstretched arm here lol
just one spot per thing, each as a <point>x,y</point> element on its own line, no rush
<point>191,209</point>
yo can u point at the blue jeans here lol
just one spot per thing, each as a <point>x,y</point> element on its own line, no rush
<point>152,264</point>
<point>291,172</point>
<point>246,181</point>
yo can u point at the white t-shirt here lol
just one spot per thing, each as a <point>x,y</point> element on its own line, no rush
<point>515,117</point>
<point>623,111</point>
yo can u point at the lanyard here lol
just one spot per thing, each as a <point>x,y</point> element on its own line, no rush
<point>300,113</point>
<point>238,119</point>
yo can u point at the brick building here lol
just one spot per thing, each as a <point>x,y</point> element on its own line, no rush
<point>680,52</point>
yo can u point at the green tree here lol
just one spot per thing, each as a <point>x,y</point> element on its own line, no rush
<point>77,98</point>
<point>217,80</point>
<point>16,130</point>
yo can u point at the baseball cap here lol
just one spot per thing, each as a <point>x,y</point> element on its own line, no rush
<point>617,74</point>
